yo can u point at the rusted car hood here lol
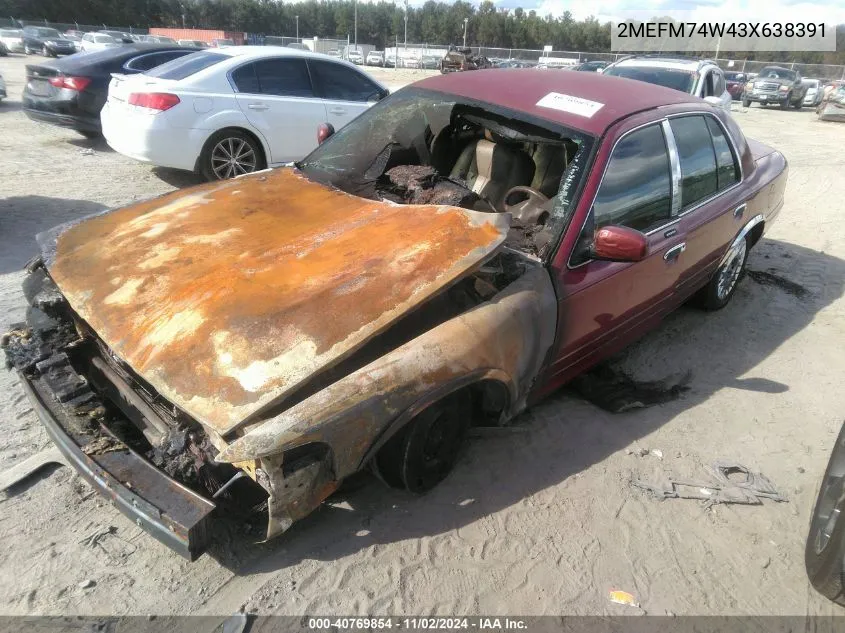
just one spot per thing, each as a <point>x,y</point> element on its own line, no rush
<point>228,296</point>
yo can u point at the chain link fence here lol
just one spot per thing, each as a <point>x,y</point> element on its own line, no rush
<point>534,55</point>
<point>62,27</point>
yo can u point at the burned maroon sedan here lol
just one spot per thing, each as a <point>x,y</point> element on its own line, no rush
<point>457,252</point>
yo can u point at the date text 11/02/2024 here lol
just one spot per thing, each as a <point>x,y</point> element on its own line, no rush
<point>428,623</point>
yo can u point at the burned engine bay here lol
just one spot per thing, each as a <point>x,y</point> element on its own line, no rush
<point>113,410</point>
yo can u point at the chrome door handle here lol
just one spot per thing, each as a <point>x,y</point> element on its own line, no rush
<point>258,106</point>
<point>338,111</point>
<point>675,251</point>
<point>740,210</point>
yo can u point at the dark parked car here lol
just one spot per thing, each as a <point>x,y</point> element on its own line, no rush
<point>71,92</point>
<point>735,84</point>
<point>590,67</point>
<point>459,252</point>
<point>119,36</point>
<point>49,42</point>
<point>824,555</point>
<point>775,85</point>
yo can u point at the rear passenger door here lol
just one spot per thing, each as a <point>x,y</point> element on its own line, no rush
<point>346,91</point>
<point>277,97</point>
<point>712,205</point>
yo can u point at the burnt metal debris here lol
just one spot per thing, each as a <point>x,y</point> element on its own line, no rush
<point>615,391</point>
<point>722,487</point>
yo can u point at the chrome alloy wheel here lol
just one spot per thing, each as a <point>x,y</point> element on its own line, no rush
<point>731,270</point>
<point>232,157</point>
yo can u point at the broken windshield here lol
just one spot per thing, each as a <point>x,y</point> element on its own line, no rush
<point>424,147</point>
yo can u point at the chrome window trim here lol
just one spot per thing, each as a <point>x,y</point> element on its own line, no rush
<point>664,122</point>
<point>675,166</point>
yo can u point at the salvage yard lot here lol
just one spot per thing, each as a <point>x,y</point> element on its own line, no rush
<point>538,519</point>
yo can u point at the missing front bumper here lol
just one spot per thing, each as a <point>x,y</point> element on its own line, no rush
<point>170,512</point>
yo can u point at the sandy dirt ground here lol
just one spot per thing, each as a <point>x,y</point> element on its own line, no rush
<point>540,519</point>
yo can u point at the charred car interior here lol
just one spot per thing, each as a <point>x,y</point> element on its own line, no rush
<point>432,149</point>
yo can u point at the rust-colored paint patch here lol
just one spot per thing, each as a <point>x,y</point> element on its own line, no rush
<point>228,296</point>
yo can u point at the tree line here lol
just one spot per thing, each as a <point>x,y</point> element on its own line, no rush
<point>379,23</point>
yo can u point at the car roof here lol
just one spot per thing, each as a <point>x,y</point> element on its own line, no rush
<point>673,63</point>
<point>126,51</point>
<point>521,88</point>
<point>246,53</point>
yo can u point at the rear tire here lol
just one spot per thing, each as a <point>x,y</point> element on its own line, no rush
<point>425,450</point>
<point>45,52</point>
<point>799,104</point>
<point>91,135</point>
<point>746,103</point>
<point>825,550</point>
<point>722,285</point>
<point>230,153</point>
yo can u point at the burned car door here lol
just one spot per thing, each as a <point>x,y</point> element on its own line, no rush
<point>603,304</point>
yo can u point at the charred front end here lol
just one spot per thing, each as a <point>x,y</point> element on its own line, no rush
<point>152,460</point>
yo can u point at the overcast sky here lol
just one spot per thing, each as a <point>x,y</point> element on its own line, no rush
<point>829,11</point>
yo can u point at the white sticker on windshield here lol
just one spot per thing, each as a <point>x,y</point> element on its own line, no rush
<point>568,103</point>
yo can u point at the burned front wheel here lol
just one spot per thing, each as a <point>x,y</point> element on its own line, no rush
<point>424,452</point>
<point>824,555</point>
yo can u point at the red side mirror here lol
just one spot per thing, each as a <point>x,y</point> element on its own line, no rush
<point>324,131</point>
<point>619,244</point>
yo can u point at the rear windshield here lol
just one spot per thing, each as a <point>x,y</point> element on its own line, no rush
<point>677,79</point>
<point>7,33</point>
<point>776,73</point>
<point>187,66</point>
<point>44,32</point>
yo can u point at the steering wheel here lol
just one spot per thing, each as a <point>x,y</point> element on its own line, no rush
<point>535,198</point>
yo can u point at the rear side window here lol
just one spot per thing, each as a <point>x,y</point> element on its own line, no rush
<point>187,65</point>
<point>341,83</point>
<point>151,60</point>
<point>698,162</point>
<point>246,80</point>
<point>284,77</point>
<point>727,168</point>
<point>636,190</point>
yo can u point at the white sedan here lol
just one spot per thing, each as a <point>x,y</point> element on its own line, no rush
<point>97,42</point>
<point>230,111</point>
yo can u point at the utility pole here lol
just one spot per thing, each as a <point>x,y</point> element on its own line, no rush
<point>356,25</point>
<point>466,21</point>
<point>406,25</point>
<point>297,27</point>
